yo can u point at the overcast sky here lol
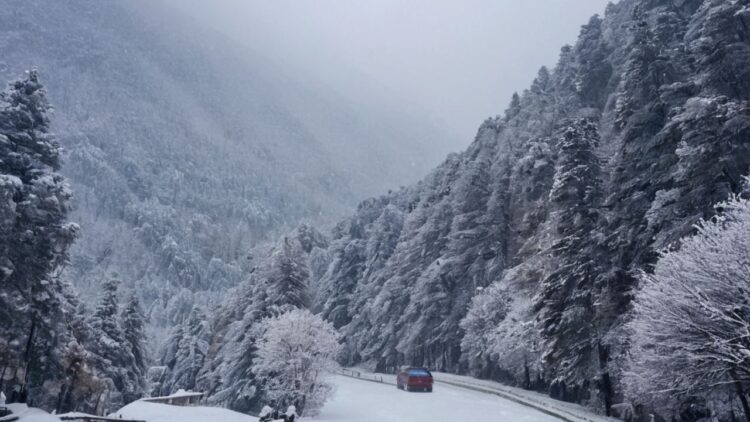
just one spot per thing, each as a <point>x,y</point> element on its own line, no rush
<point>459,61</point>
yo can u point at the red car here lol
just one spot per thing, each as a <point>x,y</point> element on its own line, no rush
<point>414,379</point>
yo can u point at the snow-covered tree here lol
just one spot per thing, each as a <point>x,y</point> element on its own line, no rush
<point>691,319</point>
<point>114,360</point>
<point>488,308</point>
<point>80,384</point>
<point>514,107</point>
<point>290,274</point>
<point>132,322</point>
<point>296,352</point>
<point>34,234</point>
<point>566,301</point>
<point>191,352</point>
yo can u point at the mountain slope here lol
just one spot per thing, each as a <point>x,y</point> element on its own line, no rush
<point>185,151</point>
<point>517,258</point>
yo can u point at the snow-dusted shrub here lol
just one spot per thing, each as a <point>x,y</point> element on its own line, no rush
<point>488,308</point>
<point>296,351</point>
<point>691,323</point>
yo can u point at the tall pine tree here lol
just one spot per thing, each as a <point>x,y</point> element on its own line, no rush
<point>566,300</point>
<point>34,234</point>
<point>132,321</point>
<point>114,359</point>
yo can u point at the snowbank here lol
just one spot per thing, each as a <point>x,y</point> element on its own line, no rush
<point>154,412</point>
<point>31,414</point>
<point>561,409</point>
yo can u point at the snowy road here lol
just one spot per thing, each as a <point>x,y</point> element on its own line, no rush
<point>365,401</point>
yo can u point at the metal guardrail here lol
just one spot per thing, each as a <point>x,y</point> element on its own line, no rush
<point>556,411</point>
<point>358,375</point>
<point>562,415</point>
<point>92,418</point>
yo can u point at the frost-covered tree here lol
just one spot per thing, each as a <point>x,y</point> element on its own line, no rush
<point>488,308</point>
<point>191,352</point>
<point>514,107</point>
<point>168,359</point>
<point>290,275</point>
<point>691,319</point>
<point>296,352</point>
<point>113,354</point>
<point>80,385</point>
<point>566,300</point>
<point>215,350</point>
<point>34,235</point>
<point>132,322</point>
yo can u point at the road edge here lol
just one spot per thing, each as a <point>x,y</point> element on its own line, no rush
<point>558,413</point>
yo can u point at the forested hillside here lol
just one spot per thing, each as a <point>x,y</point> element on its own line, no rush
<point>518,258</point>
<point>185,151</point>
<point>215,350</point>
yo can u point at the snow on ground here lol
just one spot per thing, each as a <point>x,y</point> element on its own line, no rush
<point>570,411</point>
<point>365,401</point>
<point>30,414</point>
<point>155,412</point>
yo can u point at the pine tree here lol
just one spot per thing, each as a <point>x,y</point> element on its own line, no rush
<point>514,108</point>
<point>104,319</point>
<point>289,276</point>
<point>114,360</point>
<point>168,358</point>
<point>34,234</point>
<point>132,323</point>
<point>594,69</point>
<point>79,387</point>
<point>191,352</point>
<point>566,302</point>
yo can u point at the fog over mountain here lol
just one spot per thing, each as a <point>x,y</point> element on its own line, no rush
<point>185,149</point>
<point>456,61</point>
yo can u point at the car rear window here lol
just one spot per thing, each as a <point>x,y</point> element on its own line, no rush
<point>418,373</point>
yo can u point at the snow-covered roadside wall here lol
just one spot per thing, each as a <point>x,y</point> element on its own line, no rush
<point>154,412</point>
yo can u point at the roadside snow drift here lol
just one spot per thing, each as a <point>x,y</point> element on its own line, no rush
<point>30,414</point>
<point>154,412</point>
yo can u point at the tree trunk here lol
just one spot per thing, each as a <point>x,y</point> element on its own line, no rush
<point>61,398</point>
<point>2,377</point>
<point>526,375</point>
<point>743,399</point>
<point>606,381</point>
<point>27,356</point>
